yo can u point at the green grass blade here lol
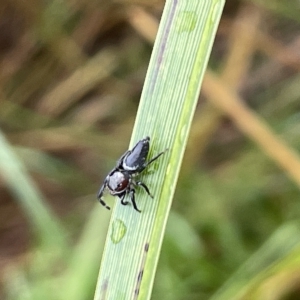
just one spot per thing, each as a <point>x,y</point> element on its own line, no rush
<point>44,223</point>
<point>167,106</point>
<point>275,254</point>
<point>80,275</point>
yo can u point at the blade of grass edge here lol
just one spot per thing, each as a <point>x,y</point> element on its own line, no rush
<point>167,106</point>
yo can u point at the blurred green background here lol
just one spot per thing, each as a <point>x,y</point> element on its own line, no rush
<point>71,74</point>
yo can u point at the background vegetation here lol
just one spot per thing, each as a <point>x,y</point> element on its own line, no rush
<point>71,73</point>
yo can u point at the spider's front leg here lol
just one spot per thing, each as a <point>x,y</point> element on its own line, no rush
<point>122,197</point>
<point>100,194</point>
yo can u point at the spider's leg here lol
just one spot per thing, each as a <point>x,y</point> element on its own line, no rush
<point>146,164</point>
<point>100,194</point>
<point>132,198</point>
<point>145,188</point>
<point>122,197</point>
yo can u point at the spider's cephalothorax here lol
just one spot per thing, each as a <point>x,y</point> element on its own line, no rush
<point>120,181</point>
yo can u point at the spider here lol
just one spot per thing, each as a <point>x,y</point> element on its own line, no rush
<point>120,180</point>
